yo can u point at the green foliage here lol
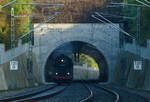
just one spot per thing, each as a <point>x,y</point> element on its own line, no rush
<point>21,24</point>
<point>85,59</point>
<point>4,22</point>
<point>132,24</point>
<point>73,11</point>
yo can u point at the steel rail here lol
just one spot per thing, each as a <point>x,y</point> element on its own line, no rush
<point>138,95</point>
<point>110,91</point>
<point>43,95</point>
<point>26,94</point>
<point>8,4</point>
<point>87,99</point>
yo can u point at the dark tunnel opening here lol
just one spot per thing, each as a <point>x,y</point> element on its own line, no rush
<point>76,48</point>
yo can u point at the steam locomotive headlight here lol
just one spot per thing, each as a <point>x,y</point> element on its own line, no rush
<point>68,73</point>
<point>62,60</point>
<point>56,73</point>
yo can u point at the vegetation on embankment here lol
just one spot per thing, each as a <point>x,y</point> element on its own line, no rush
<point>21,24</point>
<point>131,11</point>
<point>127,75</point>
<point>73,11</point>
<point>85,59</point>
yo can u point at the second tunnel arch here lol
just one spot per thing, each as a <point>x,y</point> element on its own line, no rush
<point>71,47</point>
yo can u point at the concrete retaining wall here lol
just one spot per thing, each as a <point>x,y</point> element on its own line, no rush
<point>85,73</point>
<point>15,79</point>
<point>6,56</point>
<point>3,84</point>
<point>133,48</point>
<point>126,75</point>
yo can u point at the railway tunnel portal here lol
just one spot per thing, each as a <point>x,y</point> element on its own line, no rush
<point>99,41</point>
<point>80,53</point>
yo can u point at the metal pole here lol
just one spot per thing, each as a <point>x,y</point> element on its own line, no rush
<point>138,30</point>
<point>30,56</point>
<point>12,28</point>
<point>138,20</point>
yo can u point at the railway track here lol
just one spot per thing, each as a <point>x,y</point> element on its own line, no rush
<point>34,95</point>
<point>77,92</point>
<point>127,95</point>
<point>87,99</point>
<point>93,97</point>
<point>44,95</point>
<point>113,93</point>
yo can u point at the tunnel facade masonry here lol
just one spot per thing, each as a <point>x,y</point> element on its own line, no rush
<point>50,36</point>
<point>104,37</point>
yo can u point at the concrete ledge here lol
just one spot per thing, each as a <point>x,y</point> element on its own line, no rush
<point>3,85</point>
<point>125,75</point>
<point>133,49</point>
<point>13,53</point>
<point>148,43</point>
<point>2,49</point>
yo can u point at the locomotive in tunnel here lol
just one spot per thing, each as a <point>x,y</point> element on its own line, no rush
<point>62,68</point>
<point>84,64</point>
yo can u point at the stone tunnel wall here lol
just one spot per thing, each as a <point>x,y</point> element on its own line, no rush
<point>15,79</point>
<point>46,39</point>
<point>50,36</point>
<point>85,73</point>
<point>144,51</point>
<point>125,75</point>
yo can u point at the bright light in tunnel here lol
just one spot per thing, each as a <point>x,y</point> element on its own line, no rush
<point>62,60</point>
<point>85,60</point>
<point>88,62</point>
<point>95,69</point>
<point>68,73</point>
<point>85,67</point>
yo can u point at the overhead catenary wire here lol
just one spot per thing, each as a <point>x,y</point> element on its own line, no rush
<point>101,21</point>
<point>44,4</point>
<point>49,19</point>
<point>147,1</point>
<point>8,4</point>
<point>107,33</point>
<point>31,16</point>
<point>143,3</point>
<point>116,16</point>
<point>113,25</point>
<point>138,20</point>
<point>124,4</point>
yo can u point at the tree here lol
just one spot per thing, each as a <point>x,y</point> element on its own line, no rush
<point>145,15</point>
<point>21,24</point>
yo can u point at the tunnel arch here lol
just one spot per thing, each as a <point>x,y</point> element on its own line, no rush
<point>71,47</point>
